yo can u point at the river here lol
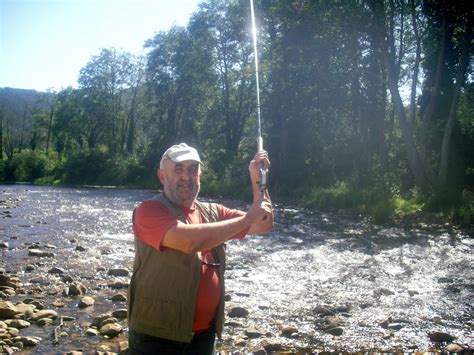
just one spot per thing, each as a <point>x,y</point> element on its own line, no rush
<point>337,281</point>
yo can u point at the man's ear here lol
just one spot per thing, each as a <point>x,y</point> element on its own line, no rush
<point>161,175</point>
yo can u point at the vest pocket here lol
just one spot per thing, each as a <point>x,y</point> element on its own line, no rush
<point>156,313</point>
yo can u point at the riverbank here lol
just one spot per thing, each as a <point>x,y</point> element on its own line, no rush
<point>322,282</point>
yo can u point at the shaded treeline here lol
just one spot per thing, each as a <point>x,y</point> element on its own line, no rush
<point>365,104</point>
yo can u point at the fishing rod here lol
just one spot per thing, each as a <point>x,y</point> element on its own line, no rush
<point>263,171</point>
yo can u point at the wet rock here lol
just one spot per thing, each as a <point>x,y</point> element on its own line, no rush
<point>395,326</point>
<point>117,285</point>
<point>111,329</point>
<point>119,297</point>
<point>4,245</point>
<point>92,332</point>
<point>100,318</point>
<point>383,292</point>
<point>75,289</point>
<point>441,337</point>
<point>384,324</point>
<point>47,313</point>
<point>7,291</point>
<point>123,347</point>
<point>118,272</point>
<point>120,313</point>
<point>108,321</point>
<point>2,325</point>
<point>56,271</point>
<point>289,331</point>
<point>85,302</point>
<point>336,331</point>
<point>40,253</point>
<point>80,248</point>
<point>240,342</point>
<point>270,346</point>
<point>253,333</point>
<point>454,348</point>
<point>332,322</point>
<point>44,322</point>
<point>29,268</point>
<point>238,312</point>
<point>323,311</point>
<point>14,332</point>
<point>413,293</point>
<point>26,310</point>
<point>67,279</point>
<point>28,341</point>
<point>7,310</point>
<point>17,323</point>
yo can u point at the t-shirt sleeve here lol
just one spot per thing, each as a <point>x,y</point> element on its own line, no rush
<point>228,213</point>
<point>151,222</point>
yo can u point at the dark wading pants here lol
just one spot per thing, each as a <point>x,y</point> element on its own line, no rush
<point>142,344</point>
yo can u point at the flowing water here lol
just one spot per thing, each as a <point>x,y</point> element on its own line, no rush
<point>420,276</point>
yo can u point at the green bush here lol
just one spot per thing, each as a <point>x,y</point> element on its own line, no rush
<point>465,212</point>
<point>27,166</point>
<point>3,168</point>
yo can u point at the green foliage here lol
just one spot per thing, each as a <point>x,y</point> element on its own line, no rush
<point>465,212</point>
<point>3,168</point>
<point>374,201</point>
<point>27,166</point>
<point>404,207</point>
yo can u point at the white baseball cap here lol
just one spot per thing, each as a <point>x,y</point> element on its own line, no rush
<point>180,152</point>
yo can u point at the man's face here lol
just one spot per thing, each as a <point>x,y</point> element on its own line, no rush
<point>181,181</point>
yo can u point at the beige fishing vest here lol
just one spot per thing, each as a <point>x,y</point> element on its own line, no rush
<point>164,285</point>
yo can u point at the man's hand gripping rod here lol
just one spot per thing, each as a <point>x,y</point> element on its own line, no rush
<point>263,181</point>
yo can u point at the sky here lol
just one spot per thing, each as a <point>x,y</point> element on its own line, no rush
<point>45,43</point>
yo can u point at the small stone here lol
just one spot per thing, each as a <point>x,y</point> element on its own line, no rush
<point>48,313</point>
<point>336,331</point>
<point>240,342</point>
<point>85,302</point>
<point>75,289</point>
<point>253,333</point>
<point>238,312</point>
<point>441,337</point>
<point>56,271</point>
<point>17,323</point>
<point>270,346</point>
<point>3,245</point>
<point>123,347</point>
<point>44,322</point>
<point>40,253</point>
<point>119,297</point>
<point>7,309</point>
<point>332,322</point>
<point>14,332</point>
<point>29,341</point>
<point>454,348</point>
<point>323,311</point>
<point>80,248</point>
<point>111,329</point>
<point>118,285</point>
<point>92,332</point>
<point>118,272</point>
<point>395,326</point>
<point>100,318</point>
<point>413,293</point>
<point>120,313</point>
<point>58,303</point>
<point>288,331</point>
<point>108,321</point>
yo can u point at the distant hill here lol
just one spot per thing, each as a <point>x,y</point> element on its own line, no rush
<point>19,104</point>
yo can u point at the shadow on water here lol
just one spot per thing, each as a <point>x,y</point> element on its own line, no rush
<point>314,271</point>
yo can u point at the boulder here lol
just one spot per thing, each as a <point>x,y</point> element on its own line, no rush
<point>238,312</point>
<point>7,310</point>
<point>118,272</point>
<point>111,329</point>
<point>47,313</point>
<point>86,301</point>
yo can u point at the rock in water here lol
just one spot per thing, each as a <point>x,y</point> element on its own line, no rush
<point>238,312</point>
<point>85,302</point>
<point>111,329</point>
<point>441,337</point>
<point>7,309</point>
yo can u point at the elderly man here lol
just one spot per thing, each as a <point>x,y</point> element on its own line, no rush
<point>176,294</point>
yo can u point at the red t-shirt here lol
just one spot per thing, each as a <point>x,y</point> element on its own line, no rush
<point>152,221</point>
